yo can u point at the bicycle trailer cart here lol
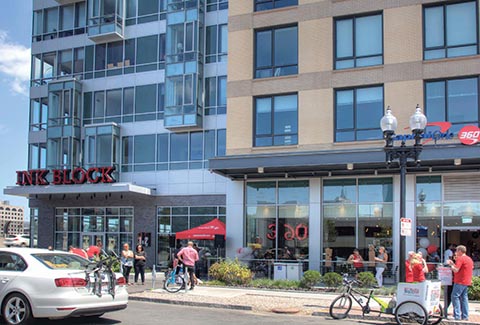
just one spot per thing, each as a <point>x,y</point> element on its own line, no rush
<point>417,303</point>
<point>425,294</point>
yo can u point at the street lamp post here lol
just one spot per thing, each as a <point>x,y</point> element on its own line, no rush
<point>403,154</point>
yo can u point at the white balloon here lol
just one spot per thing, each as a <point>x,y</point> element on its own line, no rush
<point>424,242</point>
<point>423,251</point>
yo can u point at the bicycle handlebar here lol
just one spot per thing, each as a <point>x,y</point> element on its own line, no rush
<point>350,282</point>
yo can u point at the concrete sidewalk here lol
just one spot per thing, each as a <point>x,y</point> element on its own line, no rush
<point>314,303</point>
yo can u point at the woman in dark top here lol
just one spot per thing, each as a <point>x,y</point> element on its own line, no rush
<point>140,261</point>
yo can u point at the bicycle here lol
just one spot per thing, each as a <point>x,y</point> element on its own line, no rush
<point>405,313</point>
<point>101,270</point>
<point>175,279</point>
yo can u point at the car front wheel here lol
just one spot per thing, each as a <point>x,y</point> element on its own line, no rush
<point>16,310</point>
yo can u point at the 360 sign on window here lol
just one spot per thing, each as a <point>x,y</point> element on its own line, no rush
<point>291,232</point>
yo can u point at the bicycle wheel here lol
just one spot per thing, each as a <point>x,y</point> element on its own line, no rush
<point>411,312</point>
<point>340,307</point>
<point>436,317</point>
<point>174,283</point>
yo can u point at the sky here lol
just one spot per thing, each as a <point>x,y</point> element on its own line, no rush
<point>15,43</point>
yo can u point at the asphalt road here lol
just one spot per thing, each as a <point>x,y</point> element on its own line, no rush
<point>146,313</point>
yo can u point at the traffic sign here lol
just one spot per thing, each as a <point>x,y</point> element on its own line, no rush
<point>405,227</point>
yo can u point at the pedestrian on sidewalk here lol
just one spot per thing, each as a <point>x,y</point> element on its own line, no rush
<point>381,263</point>
<point>139,263</point>
<point>408,267</point>
<point>188,256</point>
<point>127,262</point>
<point>462,278</point>
<point>419,268</point>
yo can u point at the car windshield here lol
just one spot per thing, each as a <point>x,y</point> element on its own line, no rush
<point>62,261</point>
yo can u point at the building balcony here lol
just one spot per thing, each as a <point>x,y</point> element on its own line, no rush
<point>106,29</point>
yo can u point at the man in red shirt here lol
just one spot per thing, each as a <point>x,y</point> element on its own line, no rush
<point>93,252</point>
<point>462,279</point>
<point>188,256</point>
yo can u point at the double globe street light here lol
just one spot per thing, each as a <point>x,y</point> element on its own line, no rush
<point>403,154</point>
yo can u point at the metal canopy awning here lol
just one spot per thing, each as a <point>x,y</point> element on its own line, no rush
<point>438,158</point>
<point>78,189</point>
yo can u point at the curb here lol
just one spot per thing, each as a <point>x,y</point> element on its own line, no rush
<point>386,319</point>
<point>191,303</point>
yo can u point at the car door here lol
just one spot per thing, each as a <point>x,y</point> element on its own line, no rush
<point>11,266</point>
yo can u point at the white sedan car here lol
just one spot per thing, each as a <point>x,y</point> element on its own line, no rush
<point>19,240</point>
<point>39,283</point>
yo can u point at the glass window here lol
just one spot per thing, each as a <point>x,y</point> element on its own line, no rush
<point>141,143</point>
<point>127,151</point>
<point>196,146</point>
<point>79,58</point>
<point>146,100</point>
<point>115,55</point>
<point>357,114</point>
<point>67,18</point>
<point>114,102</point>
<point>100,56</point>
<point>348,222</point>
<point>162,151</point>
<point>213,5</point>
<point>99,104</point>
<point>450,30</point>
<point>49,65</point>
<point>209,144</point>
<point>278,225</point>
<point>51,21</point>
<point>276,52</point>
<point>179,147</point>
<point>80,16</point>
<point>129,52</point>
<point>131,12</point>
<point>216,43</point>
<point>358,41</point>
<point>147,11</point>
<point>147,48</point>
<point>455,101</point>
<point>128,100</point>
<point>65,62</point>
<point>276,120</point>
<point>38,23</point>
<point>273,4</point>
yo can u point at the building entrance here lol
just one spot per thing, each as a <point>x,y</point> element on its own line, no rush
<point>470,238</point>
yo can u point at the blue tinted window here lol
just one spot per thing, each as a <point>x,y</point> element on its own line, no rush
<point>276,120</point>
<point>276,52</point>
<point>455,101</point>
<point>358,41</point>
<point>273,4</point>
<point>451,30</point>
<point>358,112</point>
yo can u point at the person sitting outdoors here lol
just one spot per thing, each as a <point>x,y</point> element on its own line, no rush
<point>356,260</point>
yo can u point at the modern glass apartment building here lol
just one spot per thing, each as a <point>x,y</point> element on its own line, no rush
<point>128,104</point>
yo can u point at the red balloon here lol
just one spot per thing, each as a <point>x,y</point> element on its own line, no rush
<point>431,249</point>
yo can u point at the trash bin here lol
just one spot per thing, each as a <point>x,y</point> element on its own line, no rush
<point>279,271</point>
<point>294,271</point>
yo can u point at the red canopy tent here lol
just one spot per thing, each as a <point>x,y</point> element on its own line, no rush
<point>206,231</point>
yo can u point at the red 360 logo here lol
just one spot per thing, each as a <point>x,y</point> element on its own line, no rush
<point>469,135</point>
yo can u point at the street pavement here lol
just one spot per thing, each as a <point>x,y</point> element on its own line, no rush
<point>314,303</point>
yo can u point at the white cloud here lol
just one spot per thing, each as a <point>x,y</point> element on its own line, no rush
<point>14,64</point>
